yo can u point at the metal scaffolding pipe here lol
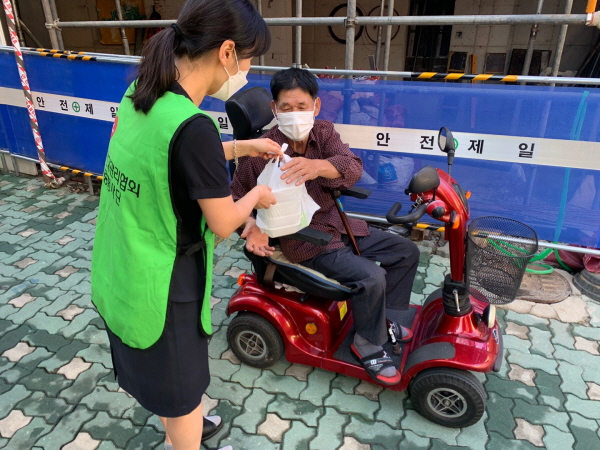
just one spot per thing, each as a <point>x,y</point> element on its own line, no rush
<point>388,37</point>
<point>18,22</point>
<point>50,20</point>
<point>562,35</point>
<point>350,34</point>
<point>122,30</point>
<point>532,38</point>
<point>298,37</point>
<point>379,30</point>
<point>522,19</point>
<point>61,44</point>
<point>261,58</point>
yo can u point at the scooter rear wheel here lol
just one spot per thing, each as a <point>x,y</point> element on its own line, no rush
<point>254,340</point>
<point>450,397</point>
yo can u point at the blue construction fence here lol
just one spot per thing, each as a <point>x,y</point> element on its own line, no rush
<point>560,200</point>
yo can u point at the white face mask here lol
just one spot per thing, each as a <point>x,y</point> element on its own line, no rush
<point>233,84</point>
<point>296,125</point>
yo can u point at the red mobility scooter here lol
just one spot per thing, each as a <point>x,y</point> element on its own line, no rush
<point>455,330</point>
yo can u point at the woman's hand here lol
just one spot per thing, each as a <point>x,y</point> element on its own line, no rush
<point>264,148</point>
<point>257,242</point>
<point>266,198</point>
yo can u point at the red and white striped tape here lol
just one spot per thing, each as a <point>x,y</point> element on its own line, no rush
<point>26,90</point>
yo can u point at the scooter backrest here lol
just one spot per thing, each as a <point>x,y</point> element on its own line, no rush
<point>249,111</point>
<point>424,180</point>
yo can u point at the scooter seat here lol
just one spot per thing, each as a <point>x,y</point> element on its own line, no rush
<point>304,279</point>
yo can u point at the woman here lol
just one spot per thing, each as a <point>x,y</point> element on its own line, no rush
<point>166,191</point>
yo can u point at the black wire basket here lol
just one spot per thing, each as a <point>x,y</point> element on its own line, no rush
<point>498,250</point>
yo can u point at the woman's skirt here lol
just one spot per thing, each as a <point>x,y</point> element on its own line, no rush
<point>169,378</point>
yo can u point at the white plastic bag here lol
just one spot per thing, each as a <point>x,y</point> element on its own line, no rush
<point>294,208</point>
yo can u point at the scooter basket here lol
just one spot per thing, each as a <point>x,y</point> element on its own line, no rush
<point>498,251</point>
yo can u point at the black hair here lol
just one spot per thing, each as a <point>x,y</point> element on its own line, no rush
<point>293,78</point>
<point>202,26</point>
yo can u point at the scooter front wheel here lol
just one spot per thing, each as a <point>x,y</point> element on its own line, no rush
<point>254,340</point>
<point>450,397</point>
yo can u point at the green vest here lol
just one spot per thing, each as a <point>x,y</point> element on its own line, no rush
<point>135,245</point>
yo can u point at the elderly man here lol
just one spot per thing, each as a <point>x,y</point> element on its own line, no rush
<point>323,162</point>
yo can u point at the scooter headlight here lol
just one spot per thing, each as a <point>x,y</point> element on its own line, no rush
<point>489,316</point>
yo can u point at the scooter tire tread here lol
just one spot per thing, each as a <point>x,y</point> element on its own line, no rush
<point>260,325</point>
<point>457,379</point>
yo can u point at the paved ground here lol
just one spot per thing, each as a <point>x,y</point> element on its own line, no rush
<point>57,390</point>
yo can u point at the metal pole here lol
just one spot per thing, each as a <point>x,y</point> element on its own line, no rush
<point>2,36</point>
<point>532,37</point>
<point>379,29</point>
<point>18,22</point>
<point>350,33</point>
<point>298,43</point>
<point>562,35</point>
<point>61,44</point>
<point>388,37</point>
<point>261,58</point>
<point>50,21</point>
<point>123,32</point>
<point>499,19</point>
<point>30,34</point>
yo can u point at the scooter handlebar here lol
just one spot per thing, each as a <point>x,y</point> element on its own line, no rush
<point>391,216</point>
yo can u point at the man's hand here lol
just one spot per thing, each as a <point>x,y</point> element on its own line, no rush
<point>257,242</point>
<point>301,170</point>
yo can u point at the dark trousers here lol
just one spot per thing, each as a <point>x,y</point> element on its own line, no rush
<point>374,287</point>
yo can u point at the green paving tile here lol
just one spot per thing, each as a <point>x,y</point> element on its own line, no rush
<point>475,436</point>
<point>116,403</point>
<point>254,411</point>
<point>541,415</point>
<point>145,439</point>
<point>587,408</point>
<point>246,375</point>
<point>439,445</point>
<point>584,432</point>
<point>540,342</point>
<point>572,382</point>
<point>28,311</point>
<point>590,333</point>
<point>319,386</point>
<point>51,342</point>
<point>109,382</point>
<point>423,427</point>
<point>4,386</point>
<point>104,427</point>
<point>51,409</point>
<point>298,436</point>
<point>561,333</point>
<point>590,363</point>
<point>330,433</point>
<point>138,415</point>
<point>499,442</point>
<point>60,300</point>
<point>500,416</point>
<point>33,360</point>
<point>66,429</point>
<point>368,432</point>
<point>218,344</point>
<point>229,412</point>
<point>224,369</point>
<point>63,356</point>
<point>224,390</point>
<point>9,399</point>
<point>411,440</point>
<point>51,324</point>
<point>275,384</point>
<point>554,439</point>
<point>529,320</point>
<point>13,337</point>
<point>549,387</point>
<point>96,354</point>
<point>92,335</point>
<point>392,409</point>
<point>352,404</point>
<point>529,361</point>
<point>13,374</point>
<point>25,438</point>
<point>49,383</point>
<point>345,384</point>
<point>511,389</point>
<point>291,409</point>
<point>84,384</point>
<point>238,440</point>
